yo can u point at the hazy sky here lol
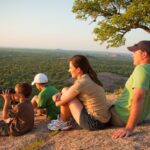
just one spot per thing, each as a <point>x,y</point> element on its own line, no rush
<point>50,24</point>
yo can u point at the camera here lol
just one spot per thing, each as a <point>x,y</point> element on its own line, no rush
<point>9,89</point>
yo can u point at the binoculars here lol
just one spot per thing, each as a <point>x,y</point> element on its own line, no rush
<point>9,89</point>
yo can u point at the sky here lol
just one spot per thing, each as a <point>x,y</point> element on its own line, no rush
<point>50,24</point>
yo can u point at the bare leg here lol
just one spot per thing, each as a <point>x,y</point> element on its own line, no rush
<point>64,109</point>
<point>75,107</point>
<point>65,113</point>
<point>34,101</point>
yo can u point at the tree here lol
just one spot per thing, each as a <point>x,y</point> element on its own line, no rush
<point>114,18</point>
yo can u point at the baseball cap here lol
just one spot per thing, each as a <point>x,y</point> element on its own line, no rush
<point>142,45</point>
<point>40,78</point>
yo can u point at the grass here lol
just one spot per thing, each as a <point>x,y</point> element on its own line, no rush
<point>53,133</point>
<point>37,143</point>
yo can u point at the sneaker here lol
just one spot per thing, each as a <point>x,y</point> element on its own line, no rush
<point>59,125</point>
<point>54,121</point>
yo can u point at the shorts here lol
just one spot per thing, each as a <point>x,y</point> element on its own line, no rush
<point>90,123</point>
<point>115,120</point>
<point>4,128</point>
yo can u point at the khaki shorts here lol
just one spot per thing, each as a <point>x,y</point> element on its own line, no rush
<point>115,120</point>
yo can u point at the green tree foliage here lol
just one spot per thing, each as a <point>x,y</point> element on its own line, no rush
<point>114,18</point>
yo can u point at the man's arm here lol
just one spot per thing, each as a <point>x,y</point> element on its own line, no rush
<point>135,114</point>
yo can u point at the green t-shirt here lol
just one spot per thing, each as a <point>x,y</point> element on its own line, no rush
<point>140,78</point>
<point>45,101</point>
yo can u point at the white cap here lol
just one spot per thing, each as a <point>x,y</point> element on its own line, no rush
<point>40,78</point>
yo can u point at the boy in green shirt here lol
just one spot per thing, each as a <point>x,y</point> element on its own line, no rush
<point>44,100</point>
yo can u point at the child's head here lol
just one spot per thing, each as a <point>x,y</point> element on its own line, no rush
<point>24,89</point>
<point>40,80</point>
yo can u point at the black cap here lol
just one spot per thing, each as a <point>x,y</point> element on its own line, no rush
<point>142,45</point>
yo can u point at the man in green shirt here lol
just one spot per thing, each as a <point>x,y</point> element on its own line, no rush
<point>133,106</point>
<point>44,100</point>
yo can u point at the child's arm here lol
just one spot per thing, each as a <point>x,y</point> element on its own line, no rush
<point>6,97</point>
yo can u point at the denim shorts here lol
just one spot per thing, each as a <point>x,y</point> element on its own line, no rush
<point>90,123</point>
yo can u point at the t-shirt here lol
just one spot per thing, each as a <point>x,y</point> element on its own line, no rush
<point>140,78</point>
<point>92,97</point>
<point>22,118</point>
<point>45,101</point>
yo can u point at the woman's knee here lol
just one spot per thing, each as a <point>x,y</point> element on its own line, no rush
<point>65,89</point>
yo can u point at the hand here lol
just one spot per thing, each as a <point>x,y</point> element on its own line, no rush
<point>6,95</point>
<point>13,97</point>
<point>123,132</point>
<point>56,97</point>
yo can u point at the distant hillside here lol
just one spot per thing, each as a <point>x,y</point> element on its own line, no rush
<point>62,51</point>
